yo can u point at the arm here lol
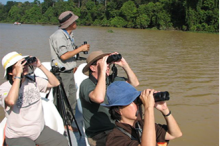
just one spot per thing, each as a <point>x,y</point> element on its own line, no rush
<point>52,80</point>
<point>149,133</point>
<point>72,53</point>
<point>98,94</point>
<point>173,128</point>
<point>12,96</point>
<point>132,79</point>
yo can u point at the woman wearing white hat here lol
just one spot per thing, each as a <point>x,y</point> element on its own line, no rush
<point>21,100</point>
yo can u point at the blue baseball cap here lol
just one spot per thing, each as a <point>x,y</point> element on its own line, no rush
<point>121,93</point>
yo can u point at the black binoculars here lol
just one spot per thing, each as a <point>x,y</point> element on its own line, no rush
<point>85,52</point>
<point>29,60</point>
<point>159,96</point>
<point>114,58</point>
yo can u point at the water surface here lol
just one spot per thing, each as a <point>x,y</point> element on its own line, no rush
<point>185,64</point>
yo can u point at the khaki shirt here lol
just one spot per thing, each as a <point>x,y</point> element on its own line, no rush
<point>60,43</point>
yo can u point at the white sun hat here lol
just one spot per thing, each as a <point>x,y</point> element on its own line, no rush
<point>10,59</point>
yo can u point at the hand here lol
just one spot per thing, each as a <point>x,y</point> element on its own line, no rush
<point>161,106</point>
<point>122,62</point>
<point>147,98</point>
<point>19,66</point>
<point>102,65</point>
<point>85,47</point>
<point>36,63</point>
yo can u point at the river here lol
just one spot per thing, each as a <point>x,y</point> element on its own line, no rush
<point>184,63</point>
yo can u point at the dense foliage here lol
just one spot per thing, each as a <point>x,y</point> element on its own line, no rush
<point>189,15</point>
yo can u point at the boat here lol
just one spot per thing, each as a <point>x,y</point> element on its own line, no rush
<point>17,23</point>
<point>51,115</point>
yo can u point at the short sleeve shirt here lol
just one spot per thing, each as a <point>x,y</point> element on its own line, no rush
<point>25,118</point>
<point>60,43</point>
<point>96,117</point>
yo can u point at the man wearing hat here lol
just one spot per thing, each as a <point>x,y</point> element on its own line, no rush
<point>124,101</point>
<point>63,51</point>
<point>21,101</point>
<point>93,92</point>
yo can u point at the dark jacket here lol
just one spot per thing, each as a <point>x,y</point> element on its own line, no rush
<point>118,138</point>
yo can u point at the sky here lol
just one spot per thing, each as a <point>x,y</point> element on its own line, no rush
<point>5,1</point>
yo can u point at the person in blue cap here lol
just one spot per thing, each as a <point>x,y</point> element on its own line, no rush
<point>129,129</point>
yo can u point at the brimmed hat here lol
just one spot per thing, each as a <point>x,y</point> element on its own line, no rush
<point>121,93</point>
<point>96,55</point>
<point>66,18</point>
<point>10,59</point>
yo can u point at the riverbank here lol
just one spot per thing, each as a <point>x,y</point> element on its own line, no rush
<point>111,28</point>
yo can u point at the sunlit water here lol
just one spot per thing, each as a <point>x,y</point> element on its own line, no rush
<point>183,63</point>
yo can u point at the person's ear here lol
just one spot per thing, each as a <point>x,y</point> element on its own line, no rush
<point>117,110</point>
<point>92,67</point>
<point>10,73</point>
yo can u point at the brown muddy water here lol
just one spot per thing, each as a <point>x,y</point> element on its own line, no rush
<point>184,63</point>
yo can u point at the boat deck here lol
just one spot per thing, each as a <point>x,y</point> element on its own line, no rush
<point>76,139</point>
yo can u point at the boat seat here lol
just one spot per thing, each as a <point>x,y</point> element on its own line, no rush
<point>39,73</point>
<point>52,117</point>
<point>79,77</point>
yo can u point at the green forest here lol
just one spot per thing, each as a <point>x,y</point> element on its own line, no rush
<point>186,15</point>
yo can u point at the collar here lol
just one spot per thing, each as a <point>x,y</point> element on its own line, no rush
<point>66,31</point>
<point>68,35</point>
<point>95,81</point>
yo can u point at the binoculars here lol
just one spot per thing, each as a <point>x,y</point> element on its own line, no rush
<point>114,58</point>
<point>29,60</point>
<point>85,52</point>
<point>159,96</point>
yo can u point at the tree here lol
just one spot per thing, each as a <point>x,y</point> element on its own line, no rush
<point>3,13</point>
<point>118,22</point>
<point>49,17</point>
<point>129,12</point>
<point>192,15</point>
<point>32,15</point>
<point>15,13</point>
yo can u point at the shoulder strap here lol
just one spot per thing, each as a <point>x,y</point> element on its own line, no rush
<point>92,78</point>
<point>48,93</point>
<point>126,133</point>
<point>114,73</point>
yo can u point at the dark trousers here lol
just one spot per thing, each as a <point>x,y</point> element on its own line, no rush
<point>70,89</point>
<point>99,139</point>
